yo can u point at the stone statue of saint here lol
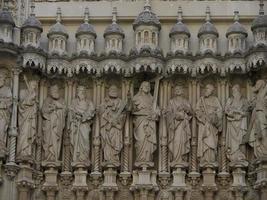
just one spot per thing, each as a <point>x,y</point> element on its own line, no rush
<point>112,119</point>
<point>258,121</point>
<point>178,115</point>
<point>209,116</point>
<point>81,113</point>
<point>236,110</point>
<point>53,112</point>
<point>28,122</point>
<point>145,117</point>
<point>5,110</point>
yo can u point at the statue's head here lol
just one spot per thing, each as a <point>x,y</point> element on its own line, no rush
<point>209,89</point>
<point>81,92</point>
<point>178,90</point>
<point>54,92</point>
<point>113,91</point>
<point>33,85</point>
<point>259,85</point>
<point>145,87</point>
<point>236,90</point>
<point>3,76</point>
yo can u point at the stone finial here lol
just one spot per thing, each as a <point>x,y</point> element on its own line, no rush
<point>207,14</point>
<point>114,15</point>
<point>32,9</point>
<point>261,11</point>
<point>180,14</point>
<point>58,15</point>
<point>147,6</point>
<point>86,15</point>
<point>236,17</point>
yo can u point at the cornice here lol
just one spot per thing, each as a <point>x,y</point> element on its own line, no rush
<point>144,60</point>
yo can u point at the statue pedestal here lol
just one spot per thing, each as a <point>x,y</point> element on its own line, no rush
<point>178,186</point>
<point>239,177</point>
<point>209,186</point>
<point>80,185</point>
<point>110,186</point>
<point>50,185</point>
<point>179,178</point>
<point>25,181</point>
<point>144,183</point>
<point>261,182</point>
<point>110,178</point>
<point>239,186</point>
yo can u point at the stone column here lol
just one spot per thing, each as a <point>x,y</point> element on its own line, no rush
<point>96,175</point>
<point>11,168</point>
<point>163,136</point>
<point>13,131</point>
<point>126,96</point>
<point>194,175</point>
<point>223,165</point>
<point>194,128</point>
<point>66,137</point>
<point>39,128</point>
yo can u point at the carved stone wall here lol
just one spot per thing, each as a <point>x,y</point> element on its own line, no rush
<point>143,125</point>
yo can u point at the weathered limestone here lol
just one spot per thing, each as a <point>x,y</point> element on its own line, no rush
<point>116,116</point>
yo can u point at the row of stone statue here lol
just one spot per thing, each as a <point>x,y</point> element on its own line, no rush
<point>143,108</point>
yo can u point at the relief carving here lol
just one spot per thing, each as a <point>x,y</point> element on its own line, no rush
<point>28,108</point>
<point>5,109</point>
<point>81,114</point>
<point>53,112</point>
<point>112,122</point>
<point>236,110</point>
<point>209,116</point>
<point>145,117</point>
<point>258,121</point>
<point>178,115</point>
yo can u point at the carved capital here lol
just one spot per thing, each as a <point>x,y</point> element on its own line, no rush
<point>164,179</point>
<point>194,178</point>
<point>11,170</point>
<point>125,178</point>
<point>224,179</point>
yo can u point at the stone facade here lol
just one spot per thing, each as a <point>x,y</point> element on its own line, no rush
<point>131,100</point>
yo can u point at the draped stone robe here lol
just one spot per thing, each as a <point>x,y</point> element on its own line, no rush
<point>53,113</point>
<point>236,115</point>
<point>27,125</point>
<point>258,124</point>
<point>5,111</point>
<point>112,122</point>
<point>179,113</point>
<point>144,128</point>
<point>209,115</point>
<point>81,115</point>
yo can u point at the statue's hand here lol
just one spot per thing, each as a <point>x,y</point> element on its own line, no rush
<point>157,112</point>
